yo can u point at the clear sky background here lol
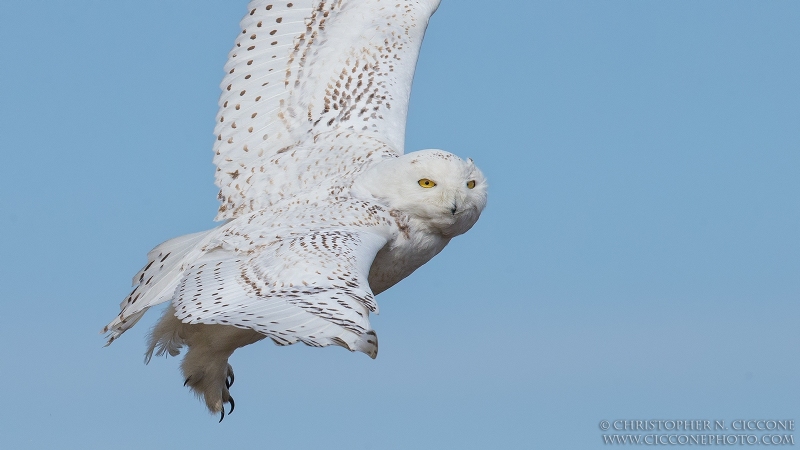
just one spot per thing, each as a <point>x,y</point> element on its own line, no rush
<point>639,257</point>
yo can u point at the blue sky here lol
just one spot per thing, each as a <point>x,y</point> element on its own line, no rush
<point>639,257</point>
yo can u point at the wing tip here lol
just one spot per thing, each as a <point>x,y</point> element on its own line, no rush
<point>367,343</point>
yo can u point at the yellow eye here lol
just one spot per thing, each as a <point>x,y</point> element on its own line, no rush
<point>471,184</point>
<point>426,183</point>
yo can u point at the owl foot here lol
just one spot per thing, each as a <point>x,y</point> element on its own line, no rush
<point>213,388</point>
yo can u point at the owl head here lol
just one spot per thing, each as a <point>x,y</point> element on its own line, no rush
<point>441,190</point>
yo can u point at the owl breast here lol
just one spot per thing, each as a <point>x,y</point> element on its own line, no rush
<point>413,246</point>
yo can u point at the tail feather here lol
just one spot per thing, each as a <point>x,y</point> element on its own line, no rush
<point>156,282</point>
<point>170,250</point>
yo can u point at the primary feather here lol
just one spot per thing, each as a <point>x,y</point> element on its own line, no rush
<point>322,210</point>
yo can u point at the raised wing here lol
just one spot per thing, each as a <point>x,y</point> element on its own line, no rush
<point>310,287</point>
<point>315,91</point>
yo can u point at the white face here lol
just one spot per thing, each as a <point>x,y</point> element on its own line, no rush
<point>437,187</point>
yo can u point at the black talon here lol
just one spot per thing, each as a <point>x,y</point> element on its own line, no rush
<point>187,381</point>
<point>222,414</point>
<point>228,383</point>
<point>233,405</point>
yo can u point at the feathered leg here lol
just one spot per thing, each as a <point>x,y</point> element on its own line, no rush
<point>205,367</point>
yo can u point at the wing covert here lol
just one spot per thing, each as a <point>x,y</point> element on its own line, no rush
<point>302,75</point>
<point>310,287</point>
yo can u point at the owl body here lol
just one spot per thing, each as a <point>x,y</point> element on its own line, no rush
<point>322,209</point>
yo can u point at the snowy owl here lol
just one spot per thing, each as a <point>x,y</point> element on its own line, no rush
<point>321,210</point>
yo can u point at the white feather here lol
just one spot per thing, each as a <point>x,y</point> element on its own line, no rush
<point>156,281</point>
<point>324,210</point>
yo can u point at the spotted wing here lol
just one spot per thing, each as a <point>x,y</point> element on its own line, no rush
<point>314,92</point>
<point>310,287</point>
